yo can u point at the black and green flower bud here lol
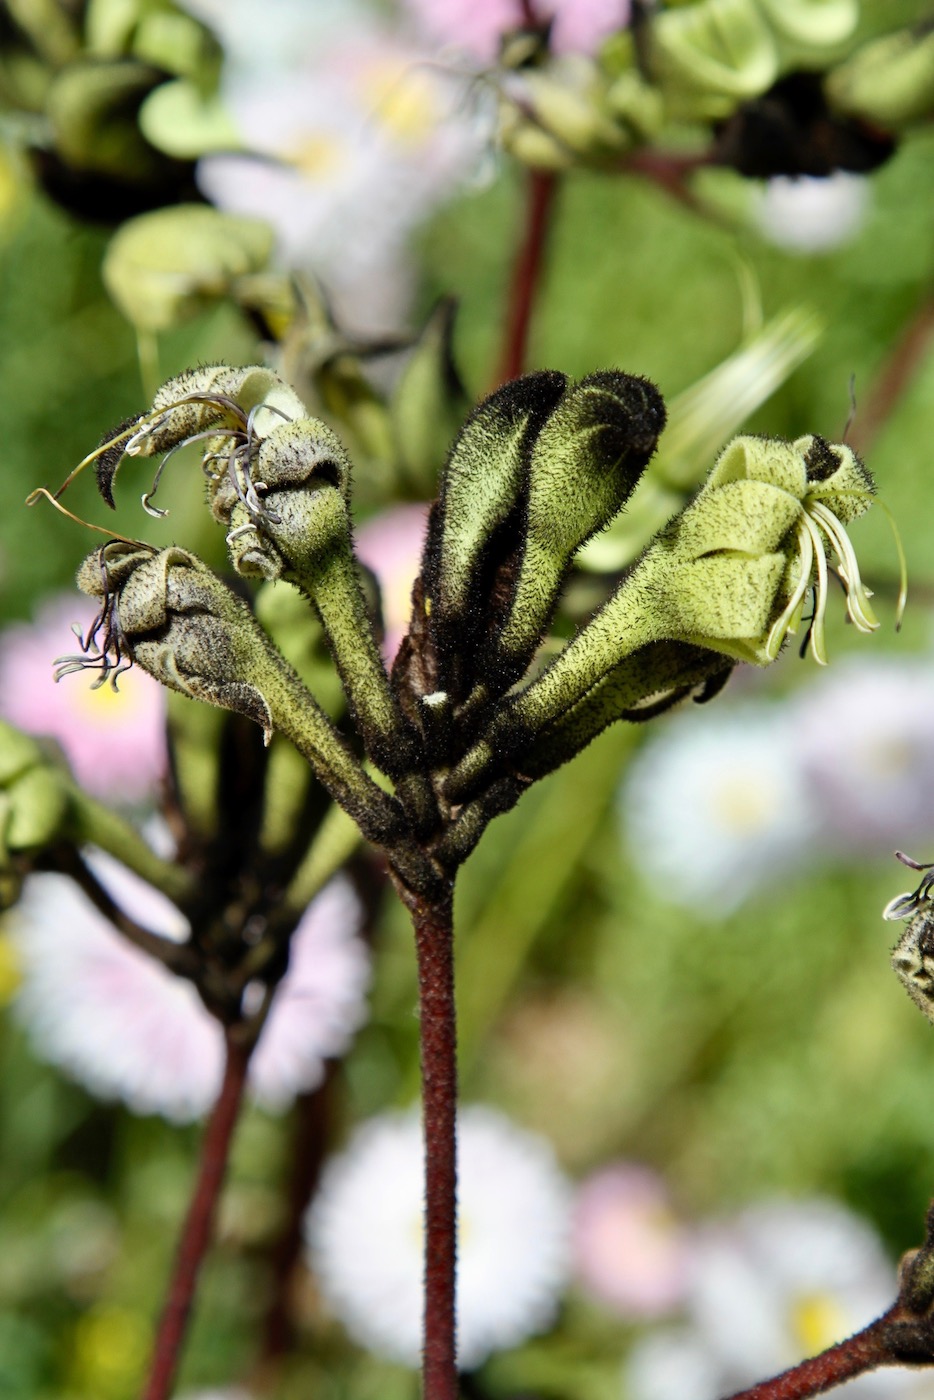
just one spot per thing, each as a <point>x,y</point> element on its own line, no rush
<point>583,466</point>
<point>888,82</point>
<point>474,542</point>
<point>168,613</point>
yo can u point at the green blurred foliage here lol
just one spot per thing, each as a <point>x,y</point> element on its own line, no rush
<point>772,1051</point>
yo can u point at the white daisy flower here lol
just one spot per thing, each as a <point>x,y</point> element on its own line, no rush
<point>782,1281</point>
<point>365,1236</point>
<point>363,142</point>
<point>717,804</point>
<point>866,738</point>
<point>804,214</point>
<point>119,1023</point>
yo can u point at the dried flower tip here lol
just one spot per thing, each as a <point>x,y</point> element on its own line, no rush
<point>904,906</point>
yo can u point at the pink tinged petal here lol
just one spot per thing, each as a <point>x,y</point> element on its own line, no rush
<point>320,1002</point>
<point>107,1014</point>
<point>114,742</point>
<point>475,27</point>
<point>391,545</point>
<point>629,1249</point>
<point>116,1021</point>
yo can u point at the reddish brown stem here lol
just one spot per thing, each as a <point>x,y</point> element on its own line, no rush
<point>434,943</point>
<point>859,1353</point>
<point>527,273</point>
<point>196,1235</point>
<point>896,377</point>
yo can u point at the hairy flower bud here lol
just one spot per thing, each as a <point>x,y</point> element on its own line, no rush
<point>729,575</point>
<point>167,612</point>
<point>583,467</point>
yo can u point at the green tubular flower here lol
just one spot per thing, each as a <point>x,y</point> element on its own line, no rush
<point>167,612</point>
<point>729,574</point>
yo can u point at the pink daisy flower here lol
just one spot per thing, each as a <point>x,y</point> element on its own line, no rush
<point>391,545</point>
<point>123,1026</point>
<point>113,740</point>
<point>629,1248</point>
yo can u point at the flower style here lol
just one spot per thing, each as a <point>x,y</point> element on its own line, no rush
<point>365,1234</point>
<point>114,740</point>
<point>716,807</point>
<point>866,742</point>
<point>630,1250</point>
<point>122,1025</point>
<point>780,1281</point>
<point>349,153</point>
<point>391,545</point>
<point>475,28</point>
<point>804,214</point>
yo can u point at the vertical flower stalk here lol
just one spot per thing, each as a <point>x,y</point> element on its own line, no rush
<point>199,1222</point>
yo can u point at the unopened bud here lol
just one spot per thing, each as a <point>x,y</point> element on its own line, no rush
<point>889,82</point>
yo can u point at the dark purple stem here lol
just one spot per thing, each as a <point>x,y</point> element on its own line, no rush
<point>198,1228</point>
<point>861,1352</point>
<point>434,943</point>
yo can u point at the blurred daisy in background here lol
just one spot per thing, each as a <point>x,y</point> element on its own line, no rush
<point>118,1022</point>
<point>866,742</point>
<point>114,740</point>
<point>474,27</point>
<point>717,805</point>
<point>780,1281</point>
<point>391,545</point>
<point>804,214</point>
<point>350,151</point>
<point>630,1250</point>
<point>364,1233</point>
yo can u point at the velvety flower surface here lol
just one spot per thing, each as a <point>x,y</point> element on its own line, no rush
<point>804,214</point>
<point>630,1249</point>
<point>365,1235</point>
<point>113,740</point>
<point>114,1019</point>
<point>781,1281</point>
<point>718,804</point>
